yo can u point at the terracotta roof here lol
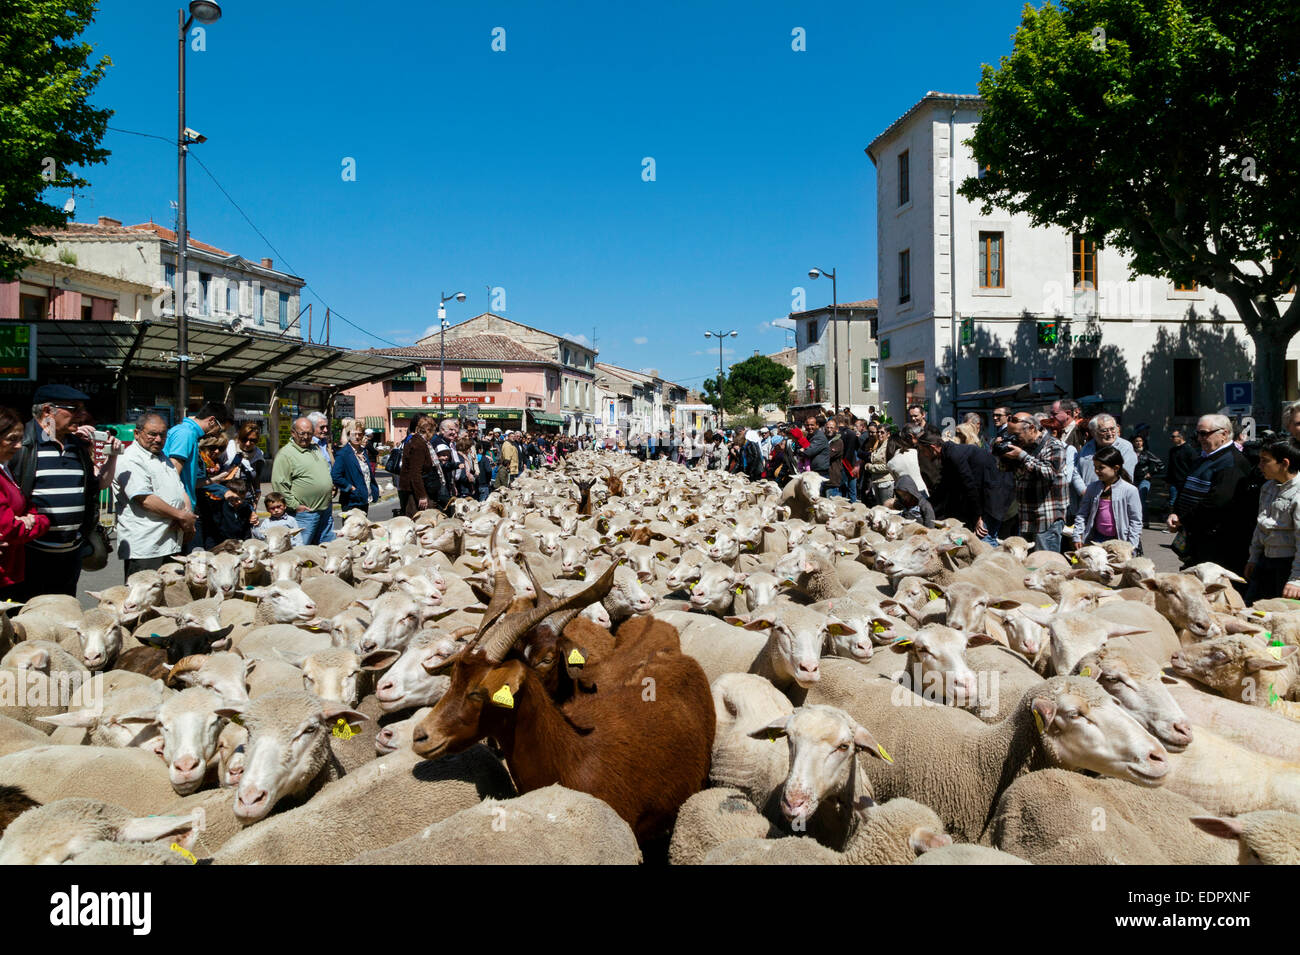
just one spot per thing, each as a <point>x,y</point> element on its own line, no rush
<point>170,235</point>
<point>865,303</point>
<point>496,348</point>
<point>122,231</point>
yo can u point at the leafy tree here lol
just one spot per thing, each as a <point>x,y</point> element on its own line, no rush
<point>47,127</point>
<point>1169,129</point>
<point>757,381</point>
<point>717,396</point>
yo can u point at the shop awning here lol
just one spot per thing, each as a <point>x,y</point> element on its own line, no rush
<point>374,422</point>
<point>491,376</point>
<point>130,348</point>
<point>494,414</point>
<point>410,376</point>
<point>550,420</point>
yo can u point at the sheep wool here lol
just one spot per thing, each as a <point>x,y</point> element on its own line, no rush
<point>710,818</point>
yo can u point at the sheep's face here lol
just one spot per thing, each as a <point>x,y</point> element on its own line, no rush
<point>190,727</point>
<point>1237,666</point>
<point>224,574</point>
<point>288,602</point>
<point>60,831</point>
<point>1181,599</point>
<point>395,617</point>
<point>1138,686</point>
<point>231,752</point>
<point>938,655</point>
<point>760,589</point>
<point>967,605</point>
<point>288,744</point>
<point>1046,578</point>
<point>398,735</point>
<point>144,592</point>
<point>413,679</point>
<point>795,643</point>
<point>251,554</point>
<point>823,743</point>
<point>1084,729</point>
<point>100,643</point>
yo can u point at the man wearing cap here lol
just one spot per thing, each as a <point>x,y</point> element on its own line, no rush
<point>56,471</point>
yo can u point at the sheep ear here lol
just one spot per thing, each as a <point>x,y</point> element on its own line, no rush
<point>341,711</point>
<point>295,532</point>
<point>1166,678</point>
<point>773,730</point>
<point>149,828</point>
<point>762,623</point>
<point>1254,663</point>
<point>235,710</point>
<point>1123,630</point>
<point>1224,828</point>
<point>979,640</point>
<point>866,743</point>
<point>175,613</point>
<point>95,594</point>
<point>288,656</point>
<point>138,716</point>
<point>1150,583</point>
<point>1044,711</point>
<point>837,628</point>
<point>84,719</point>
<point>379,659</point>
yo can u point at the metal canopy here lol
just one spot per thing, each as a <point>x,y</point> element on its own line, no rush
<point>130,348</point>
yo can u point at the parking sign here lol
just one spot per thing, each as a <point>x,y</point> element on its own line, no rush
<point>1238,396</point>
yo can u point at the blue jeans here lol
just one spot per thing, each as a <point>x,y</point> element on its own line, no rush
<point>1144,488</point>
<point>317,526</point>
<point>849,487</point>
<point>1173,496</point>
<point>1050,539</point>
<point>834,491</point>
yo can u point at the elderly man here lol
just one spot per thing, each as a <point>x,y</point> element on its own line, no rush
<point>1038,461</point>
<point>301,475</point>
<point>1215,509</point>
<point>1291,420</point>
<point>1105,434</point>
<point>320,425</point>
<point>153,509</point>
<point>58,477</point>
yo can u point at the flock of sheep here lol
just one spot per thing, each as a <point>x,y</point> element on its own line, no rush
<point>614,664</point>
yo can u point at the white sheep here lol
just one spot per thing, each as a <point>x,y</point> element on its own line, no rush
<point>65,829</point>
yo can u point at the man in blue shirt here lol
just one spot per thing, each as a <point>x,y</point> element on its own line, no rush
<point>182,448</point>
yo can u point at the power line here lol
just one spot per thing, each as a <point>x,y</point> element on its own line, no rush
<point>334,313</point>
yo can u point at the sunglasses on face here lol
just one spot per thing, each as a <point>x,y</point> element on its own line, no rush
<point>1206,434</point>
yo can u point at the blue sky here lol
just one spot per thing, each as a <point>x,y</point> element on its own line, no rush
<point>523,169</point>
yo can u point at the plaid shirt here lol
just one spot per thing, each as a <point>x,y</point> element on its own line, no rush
<point>1041,488</point>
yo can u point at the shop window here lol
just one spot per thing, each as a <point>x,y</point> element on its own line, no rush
<point>1187,382</point>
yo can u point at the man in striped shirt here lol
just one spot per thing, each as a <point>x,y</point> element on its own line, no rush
<point>55,469</point>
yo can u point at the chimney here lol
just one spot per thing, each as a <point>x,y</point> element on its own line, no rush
<point>105,220</point>
<point>267,264</point>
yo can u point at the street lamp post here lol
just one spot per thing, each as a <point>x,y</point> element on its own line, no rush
<point>721,335</point>
<point>835,348</point>
<point>205,11</point>
<point>442,348</point>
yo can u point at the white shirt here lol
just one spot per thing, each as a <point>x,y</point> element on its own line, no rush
<point>140,533</point>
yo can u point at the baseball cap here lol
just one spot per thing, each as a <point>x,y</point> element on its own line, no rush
<point>54,393</point>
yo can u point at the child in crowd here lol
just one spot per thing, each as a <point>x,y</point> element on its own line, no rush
<point>1111,508</point>
<point>1273,569</point>
<point>913,502</point>
<point>277,516</point>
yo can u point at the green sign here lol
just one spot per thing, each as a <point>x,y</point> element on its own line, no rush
<point>17,353</point>
<point>1049,333</point>
<point>884,348</point>
<point>967,330</point>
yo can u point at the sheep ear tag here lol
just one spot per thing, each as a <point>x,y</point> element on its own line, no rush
<point>932,593</point>
<point>183,852</point>
<point>344,731</point>
<point>575,659</point>
<point>503,697</point>
<point>1038,721</point>
<point>884,755</point>
<point>1086,671</point>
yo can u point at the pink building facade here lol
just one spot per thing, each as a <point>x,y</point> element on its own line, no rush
<point>513,387</point>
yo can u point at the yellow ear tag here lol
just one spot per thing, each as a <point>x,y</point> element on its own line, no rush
<point>904,642</point>
<point>877,627</point>
<point>932,593</point>
<point>1260,613</point>
<point>1086,671</point>
<point>575,658</point>
<point>1038,721</point>
<point>185,853</point>
<point>1074,559</point>
<point>884,755</point>
<point>503,697</point>
<point>1275,652</point>
<point>582,573</point>
<point>342,730</point>
<point>1046,606</point>
<point>740,590</point>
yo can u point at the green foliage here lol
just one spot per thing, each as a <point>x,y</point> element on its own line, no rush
<point>47,127</point>
<point>1169,129</point>
<point>758,381</point>
<point>67,256</point>
<point>754,421</point>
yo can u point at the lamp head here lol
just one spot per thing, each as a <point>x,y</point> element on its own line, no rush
<point>814,273</point>
<point>460,296</point>
<point>708,334</point>
<point>205,11</point>
<point>734,333</point>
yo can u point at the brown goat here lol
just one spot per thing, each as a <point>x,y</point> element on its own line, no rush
<point>13,803</point>
<point>614,482</point>
<point>586,507</point>
<point>642,746</point>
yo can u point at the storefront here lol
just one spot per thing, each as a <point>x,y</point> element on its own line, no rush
<point>545,422</point>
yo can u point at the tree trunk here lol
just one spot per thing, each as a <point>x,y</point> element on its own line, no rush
<point>1270,375</point>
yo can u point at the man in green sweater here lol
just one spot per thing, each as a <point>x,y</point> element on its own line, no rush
<point>302,476</point>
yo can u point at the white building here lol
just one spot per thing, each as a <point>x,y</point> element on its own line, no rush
<point>636,402</point>
<point>831,341</point>
<point>1160,354</point>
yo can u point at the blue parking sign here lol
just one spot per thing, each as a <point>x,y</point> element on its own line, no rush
<point>1238,393</point>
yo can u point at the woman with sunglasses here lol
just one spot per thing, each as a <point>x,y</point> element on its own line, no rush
<point>17,526</point>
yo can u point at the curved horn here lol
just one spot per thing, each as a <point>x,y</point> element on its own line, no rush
<point>503,592</point>
<point>502,635</point>
<point>184,665</point>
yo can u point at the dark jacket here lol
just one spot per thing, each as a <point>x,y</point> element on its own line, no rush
<point>922,510</point>
<point>352,477</point>
<point>972,485</point>
<point>1181,461</point>
<point>23,467</point>
<point>818,452</point>
<point>835,455</point>
<point>1217,510</point>
<point>417,461</point>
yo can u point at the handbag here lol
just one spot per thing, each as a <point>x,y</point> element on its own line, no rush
<point>1179,543</point>
<point>94,549</point>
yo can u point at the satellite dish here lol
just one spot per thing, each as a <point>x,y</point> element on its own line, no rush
<point>70,206</point>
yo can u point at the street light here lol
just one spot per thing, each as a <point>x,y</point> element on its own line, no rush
<point>442,349</point>
<point>721,335</point>
<point>205,11</point>
<point>835,349</point>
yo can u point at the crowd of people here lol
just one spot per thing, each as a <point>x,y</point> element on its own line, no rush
<point>1054,477</point>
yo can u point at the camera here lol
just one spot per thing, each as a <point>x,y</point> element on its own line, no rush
<point>1002,446</point>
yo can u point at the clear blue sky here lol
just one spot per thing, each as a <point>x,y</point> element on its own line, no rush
<point>523,169</point>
